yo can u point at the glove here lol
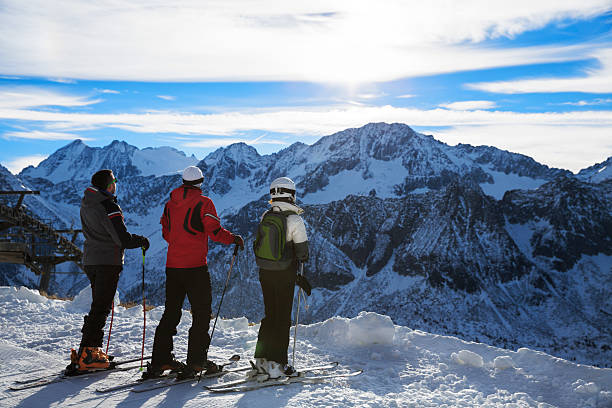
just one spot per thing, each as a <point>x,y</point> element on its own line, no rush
<point>301,281</point>
<point>142,242</point>
<point>238,241</point>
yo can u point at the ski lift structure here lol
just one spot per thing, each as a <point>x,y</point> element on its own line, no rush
<point>32,242</point>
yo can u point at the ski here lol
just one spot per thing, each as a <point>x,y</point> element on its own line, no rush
<point>134,383</point>
<point>253,379</point>
<point>284,381</point>
<point>174,382</point>
<point>62,373</point>
<point>166,384</point>
<point>40,382</point>
<point>161,378</point>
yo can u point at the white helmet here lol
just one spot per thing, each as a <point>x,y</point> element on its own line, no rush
<point>283,189</point>
<point>193,176</point>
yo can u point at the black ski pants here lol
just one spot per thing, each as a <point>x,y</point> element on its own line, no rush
<point>195,283</point>
<point>103,280</point>
<point>273,339</point>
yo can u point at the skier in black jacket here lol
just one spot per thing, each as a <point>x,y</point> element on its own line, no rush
<point>106,237</point>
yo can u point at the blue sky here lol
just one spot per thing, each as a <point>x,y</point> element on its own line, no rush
<point>529,77</point>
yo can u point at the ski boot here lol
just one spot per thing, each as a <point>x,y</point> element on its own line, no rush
<point>278,370</point>
<point>258,370</point>
<point>87,359</point>
<point>191,370</point>
<point>156,371</point>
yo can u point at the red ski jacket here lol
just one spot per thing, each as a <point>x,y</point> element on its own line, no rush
<point>189,219</point>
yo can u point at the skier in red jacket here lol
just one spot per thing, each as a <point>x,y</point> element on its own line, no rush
<point>189,219</point>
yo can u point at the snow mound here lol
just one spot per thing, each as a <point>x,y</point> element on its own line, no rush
<point>466,357</point>
<point>82,302</point>
<point>582,387</point>
<point>503,362</point>
<point>366,329</point>
<point>9,294</point>
<point>370,328</point>
<point>238,324</point>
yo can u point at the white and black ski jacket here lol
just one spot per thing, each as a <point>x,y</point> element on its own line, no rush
<point>296,230</point>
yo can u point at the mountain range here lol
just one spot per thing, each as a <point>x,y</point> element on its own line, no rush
<point>470,241</point>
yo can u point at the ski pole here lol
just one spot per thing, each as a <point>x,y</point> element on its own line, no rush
<point>144,310</point>
<point>221,301</point>
<point>297,315</point>
<point>110,329</point>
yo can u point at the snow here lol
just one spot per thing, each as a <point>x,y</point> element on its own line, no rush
<point>353,182</point>
<point>82,302</point>
<point>402,367</point>
<point>161,160</point>
<point>467,357</point>
<point>503,363</point>
<point>505,182</point>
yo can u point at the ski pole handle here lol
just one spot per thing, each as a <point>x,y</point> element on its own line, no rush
<point>236,248</point>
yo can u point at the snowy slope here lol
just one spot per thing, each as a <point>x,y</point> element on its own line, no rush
<point>402,367</point>
<point>598,172</point>
<point>78,161</point>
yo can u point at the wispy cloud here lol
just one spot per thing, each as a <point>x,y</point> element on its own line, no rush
<point>548,144</point>
<point>405,96</point>
<point>315,40</point>
<point>469,105</point>
<point>298,120</point>
<point>370,95</point>
<point>528,133</point>
<point>19,163</point>
<point>598,80</point>
<point>597,101</point>
<point>62,80</point>
<point>109,91</point>
<point>31,97</point>
<point>41,135</point>
<point>207,142</point>
<point>166,97</point>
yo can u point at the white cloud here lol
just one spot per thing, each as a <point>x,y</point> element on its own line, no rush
<point>546,136</point>
<point>597,101</point>
<point>166,97</point>
<point>406,96</point>
<point>41,135</point>
<point>29,97</point>
<point>598,80</point>
<point>63,80</point>
<point>548,144</point>
<point>109,91</point>
<point>19,163</point>
<point>370,95</point>
<point>469,105</point>
<point>206,142</point>
<point>313,40</point>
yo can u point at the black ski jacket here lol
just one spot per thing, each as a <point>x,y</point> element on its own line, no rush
<point>106,235</point>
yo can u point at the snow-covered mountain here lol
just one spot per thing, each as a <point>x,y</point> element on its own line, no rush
<point>79,161</point>
<point>460,240</point>
<point>402,367</point>
<point>598,172</point>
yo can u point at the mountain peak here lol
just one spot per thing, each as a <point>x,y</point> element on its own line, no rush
<point>76,160</point>
<point>598,172</point>
<point>237,152</point>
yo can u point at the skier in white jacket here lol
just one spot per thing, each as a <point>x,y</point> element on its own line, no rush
<point>278,285</point>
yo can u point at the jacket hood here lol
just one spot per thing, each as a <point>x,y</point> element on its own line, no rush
<point>286,206</point>
<point>184,195</point>
<point>94,196</point>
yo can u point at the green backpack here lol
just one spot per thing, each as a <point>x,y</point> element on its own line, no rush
<point>271,249</point>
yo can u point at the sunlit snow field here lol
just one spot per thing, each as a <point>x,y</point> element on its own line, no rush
<point>402,367</point>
